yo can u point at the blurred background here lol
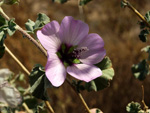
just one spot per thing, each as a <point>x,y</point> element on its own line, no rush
<point>119,29</point>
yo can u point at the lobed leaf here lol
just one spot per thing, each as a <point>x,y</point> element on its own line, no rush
<point>143,35</point>
<point>133,107</point>
<point>41,20</point>
<point>39,82</point>
<point>147,50</point>
<point>104,80</point>
<point>140,70</point>
<point>147,16</point>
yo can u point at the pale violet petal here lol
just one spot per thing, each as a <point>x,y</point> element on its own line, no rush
<point>73,31</point>
<point>84,72</point>
<point>55,70</point>
<point>96,51</point>
<point>48,36</point>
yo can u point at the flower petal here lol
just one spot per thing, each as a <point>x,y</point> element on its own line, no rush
<point>48,36</point>
<point>84,72</point>
<point>73,31</point>
<point>96,51</point>
<point>55,70</point>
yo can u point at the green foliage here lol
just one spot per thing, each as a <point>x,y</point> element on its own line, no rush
<point>143,35</point>
<point>144,28</point>
<point>84,2</point>
<point>30,101</point>
<point>6,27</point>
<point>123,4</point>
<point>104,80</point>
<point>147,50</point>
<point>11,2</point>
<point>133,107</point>
<point>41,20</point>
<point>60,1</point>
<point>147,16</point>
<point>39,82</point>
<point>140,70</point>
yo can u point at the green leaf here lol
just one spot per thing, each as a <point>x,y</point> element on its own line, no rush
<point>30,101</point>
<point>147,50</point>
<point>143,35</point>
<point>60,1</point>
<point>104,80</point>
<point>30,26</point>
<point>39,82</point>
<point>123,4</point>
<point>140,70</point>
<point>11,27</point>
<point>133,107</point>
<point>41,20</point>
<point>2,21</point>
<point>147,16</point>
<point>142,25</point>
<point>11,2</point>
<point>105,63</point>
<point>84,2</point>
<point>91,86</point>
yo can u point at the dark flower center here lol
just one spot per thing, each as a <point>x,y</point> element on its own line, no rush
<point>70,54</point>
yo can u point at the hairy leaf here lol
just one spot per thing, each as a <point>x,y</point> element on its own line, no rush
<point>39,82</point>
<point>140,70</point>
<point>133,107</point>
<point>143,35</point>
<point>104,80</point>
<point>41,20</point>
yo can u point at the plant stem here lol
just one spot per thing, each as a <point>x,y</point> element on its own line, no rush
<point>49,107</point>
<point>79,95</point>
<point>28,73</point>
<point>128,4</point>
<point>18,62</point>
<point>26,108</point>
<point>145,106</point>
<point>45,53</point>
<point>81,11</point>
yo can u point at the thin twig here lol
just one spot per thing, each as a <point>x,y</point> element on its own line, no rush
<point>128,4</point>
<point>26,108</point>
<point>79,95</point>
<point>81,11</point>
<point>49,107</point>
<point>16,59</point>
<point>145,106</point>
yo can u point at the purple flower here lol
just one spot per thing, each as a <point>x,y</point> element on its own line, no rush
<point>71,50</point>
